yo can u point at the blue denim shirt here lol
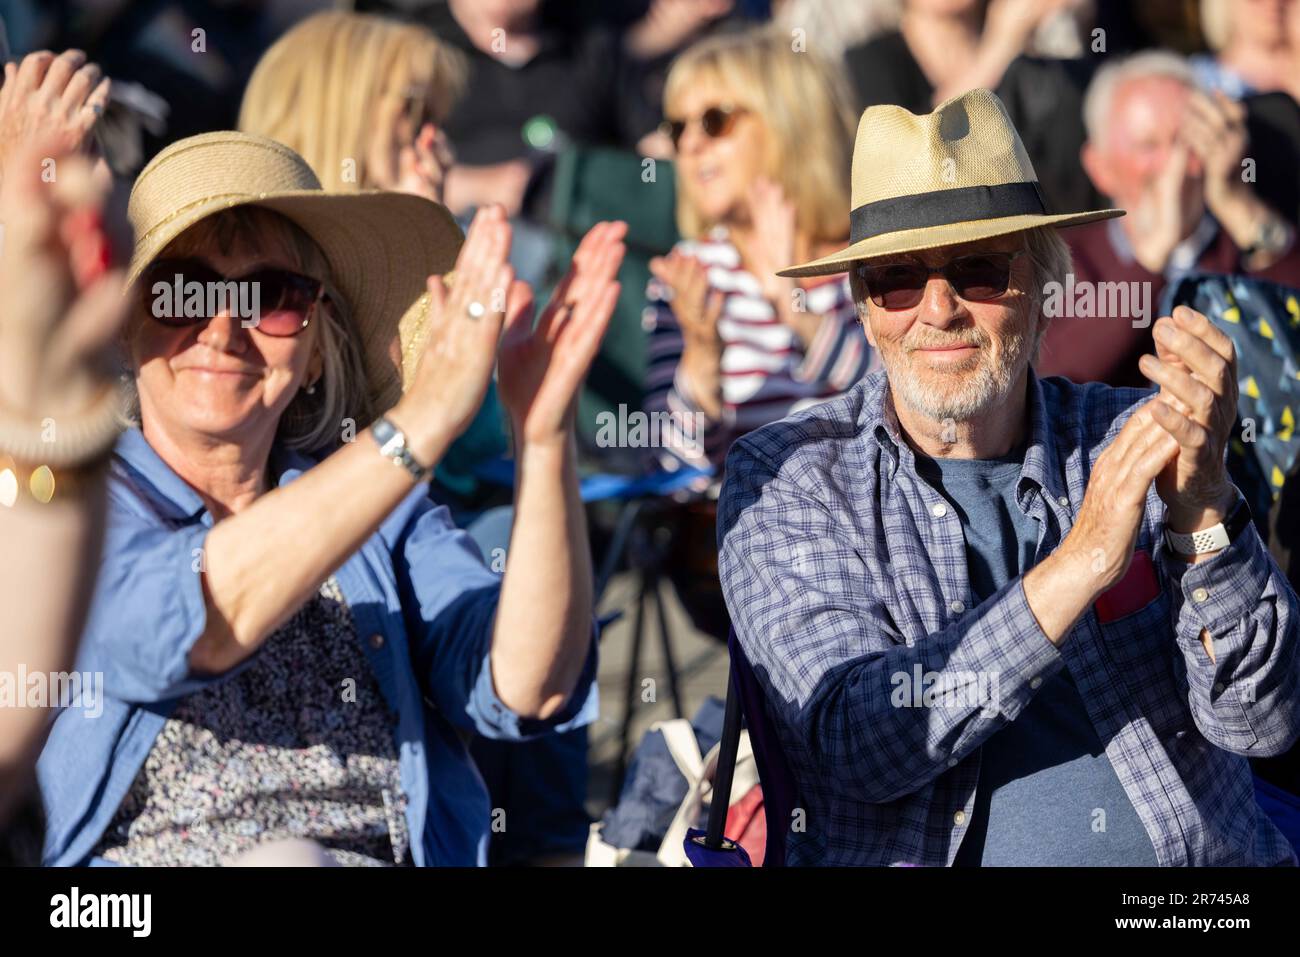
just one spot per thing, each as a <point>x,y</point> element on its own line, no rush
<point>424,607</point>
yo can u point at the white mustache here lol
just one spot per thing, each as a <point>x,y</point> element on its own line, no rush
<point>945,344</point>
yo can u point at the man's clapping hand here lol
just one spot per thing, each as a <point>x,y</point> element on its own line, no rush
<point>1196,368</point>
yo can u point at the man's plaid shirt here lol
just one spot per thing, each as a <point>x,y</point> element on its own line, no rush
<point>843,570</point>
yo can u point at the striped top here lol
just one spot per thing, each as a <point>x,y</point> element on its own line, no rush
<point>767,372</point>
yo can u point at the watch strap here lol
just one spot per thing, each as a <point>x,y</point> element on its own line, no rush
<point>64,442</point>
<point>1215,537</point>
<point>392,445</point>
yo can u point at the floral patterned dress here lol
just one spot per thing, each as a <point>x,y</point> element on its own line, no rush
<point>299,744</point>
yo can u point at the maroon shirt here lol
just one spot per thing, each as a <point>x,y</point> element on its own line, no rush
<point>1106,348</point>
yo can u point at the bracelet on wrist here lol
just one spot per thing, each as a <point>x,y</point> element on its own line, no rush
<point>42,484</point>
<point>64,442</point>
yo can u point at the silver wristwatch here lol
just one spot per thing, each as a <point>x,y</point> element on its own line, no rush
<point>392,445</point>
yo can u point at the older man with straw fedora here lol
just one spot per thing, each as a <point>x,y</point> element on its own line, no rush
<point>291,639</point>
<point>1005,620</point>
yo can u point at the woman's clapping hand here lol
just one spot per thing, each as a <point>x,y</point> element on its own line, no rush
<point>56,99</point>
<point>542,364</point>
<point>466,312</point>
<point>542,367</point>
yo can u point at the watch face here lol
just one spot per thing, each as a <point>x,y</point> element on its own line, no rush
<point>1272,236</point>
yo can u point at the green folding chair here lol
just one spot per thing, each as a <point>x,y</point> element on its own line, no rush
<point>592,184</point>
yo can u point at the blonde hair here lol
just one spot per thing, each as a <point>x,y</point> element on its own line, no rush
<point>310,423</point>
<point>1216,24</point>
<point>803,104</point>
<point>319,88</point>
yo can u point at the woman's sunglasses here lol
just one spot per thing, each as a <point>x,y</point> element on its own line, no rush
<point>716,121</point>
<point>187,292</point>
<point>977,278</point>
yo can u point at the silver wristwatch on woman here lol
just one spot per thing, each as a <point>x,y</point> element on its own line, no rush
<point>392,445</point>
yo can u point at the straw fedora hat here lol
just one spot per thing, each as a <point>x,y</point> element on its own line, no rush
<point>380,246</point>
<point>951,176</point>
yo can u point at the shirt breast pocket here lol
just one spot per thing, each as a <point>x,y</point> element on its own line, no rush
<point>1141,647</point>
<point>1140,633</point>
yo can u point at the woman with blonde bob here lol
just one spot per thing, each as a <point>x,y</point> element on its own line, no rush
<point>292,638</point>
<point>762,136</point>
<point>361,98</point>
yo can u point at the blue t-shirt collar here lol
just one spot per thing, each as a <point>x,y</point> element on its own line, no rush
<point>1042,467</point>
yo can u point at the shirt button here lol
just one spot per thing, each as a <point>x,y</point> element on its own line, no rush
<point>1064,501</point>
<point>1218,687</point>
<point>376,641</point>
<point>940,510</point>
<point>1200,595</point>
<point>959,817</point>
<point>956,607</point>
<point>952,762</point>
<point>1035,682</point>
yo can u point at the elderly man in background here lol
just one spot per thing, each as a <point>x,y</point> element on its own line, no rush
<point>1005,620</point>
<point>1174,157</point>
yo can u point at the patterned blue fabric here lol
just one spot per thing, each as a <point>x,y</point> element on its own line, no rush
<point>1263,321</point>
<point>843,570</point>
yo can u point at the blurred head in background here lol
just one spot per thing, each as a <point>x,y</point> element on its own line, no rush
<point>361,98</point>
<point>744,106</point>
<point>1134,112</point>
<point>1250,24</point>
<point>1256,44</point>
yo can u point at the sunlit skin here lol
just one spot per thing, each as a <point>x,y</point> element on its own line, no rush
<point>959,367</point>
<point>219,383</point>
<point>716,173</point>
<point>945,8</point>
<point>1263,23</point>
<point>1140,135</point>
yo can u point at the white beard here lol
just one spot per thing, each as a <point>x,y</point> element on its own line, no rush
<point>971,393</point>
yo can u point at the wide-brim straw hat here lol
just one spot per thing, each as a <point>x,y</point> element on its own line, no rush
<point>380,246</point>
<point>951,176</point>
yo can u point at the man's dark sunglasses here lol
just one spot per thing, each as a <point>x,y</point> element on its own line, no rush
<point>977,278</point>
<point>716,121</point>
<point>284,300</point>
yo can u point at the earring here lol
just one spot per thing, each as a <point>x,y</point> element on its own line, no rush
<point>311,389</point>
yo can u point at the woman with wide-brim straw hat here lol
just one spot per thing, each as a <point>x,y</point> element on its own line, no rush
<point>363,99</point>
<point>290,634</point>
